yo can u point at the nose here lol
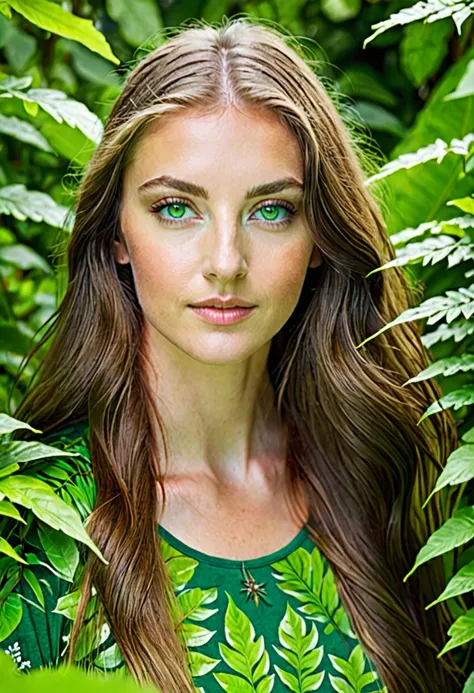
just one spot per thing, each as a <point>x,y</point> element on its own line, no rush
<point>225,254</point>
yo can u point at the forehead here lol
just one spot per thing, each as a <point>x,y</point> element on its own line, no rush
<point>222,148</point>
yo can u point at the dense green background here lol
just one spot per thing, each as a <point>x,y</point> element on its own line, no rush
<point>411,90</point>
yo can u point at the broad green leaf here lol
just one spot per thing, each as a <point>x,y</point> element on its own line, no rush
<point>378,118</point>
<point>67,605</point>
<point>8,549</point>
<point>458,469</point>
<point>137,20</point>
<point>21,451</point>
<point>22,256</point>
<point>7,469</point>
<point>466,85</point>
<point>61,550</point>
<point>33,582</point>
<point>461,631</point>
<point>14,338</point>
<point>469,685</point>
<point>363,81</point>
<point>464,203</point>
<point>423,49</point>
<point>27,204</point>
<point>34,560</point>
<point>47,506</point>
<point>9,424</point>
<point>456,531</point>
<point>92,67</point>
<point>419,194</point>
<point>5,10</point>
<point>462,582</point>
<point>10,615</point>
<point>51,17</point>
<point>23,131</point>
<point>72,679</point>
<point>109,658</point>
<point>69,143</point>
<point>19,47</point>
<point>9,510</point>
<point>58,105</point>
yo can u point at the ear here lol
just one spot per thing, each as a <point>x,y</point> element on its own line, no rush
<point>121,252</point>
<point>316,258</point>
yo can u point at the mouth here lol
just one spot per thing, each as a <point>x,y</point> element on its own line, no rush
<point>223,316</point>
<point>214,307</point>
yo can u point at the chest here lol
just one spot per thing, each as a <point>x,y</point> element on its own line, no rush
<point>237,526</point>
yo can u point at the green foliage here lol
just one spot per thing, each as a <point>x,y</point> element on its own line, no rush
<point>430,11</point>
<point>64,678</point>
<point>34,511</point>
<point>447,242</point>
<point>413,88</point>
<point>51,17</point>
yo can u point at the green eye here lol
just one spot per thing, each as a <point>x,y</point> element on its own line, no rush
<point>176,210</point>
<point>172,211</point>
<point>271,213</point>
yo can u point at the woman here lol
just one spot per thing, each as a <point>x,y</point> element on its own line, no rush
<point>283,462</point>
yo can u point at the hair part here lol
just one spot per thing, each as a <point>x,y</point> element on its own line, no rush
<point>353,434</point>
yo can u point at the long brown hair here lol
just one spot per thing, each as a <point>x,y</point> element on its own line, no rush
<point>353,438</point>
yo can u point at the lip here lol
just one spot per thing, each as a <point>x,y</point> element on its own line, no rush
<point>223,302</point>
<point>222,316</point>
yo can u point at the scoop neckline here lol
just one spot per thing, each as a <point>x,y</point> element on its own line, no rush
<point>257,562</point>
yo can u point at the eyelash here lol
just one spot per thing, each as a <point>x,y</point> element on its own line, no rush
<point>155,209</point>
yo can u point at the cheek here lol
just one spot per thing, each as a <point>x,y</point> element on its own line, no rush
<point>156,276</point>
<point>286,273</point>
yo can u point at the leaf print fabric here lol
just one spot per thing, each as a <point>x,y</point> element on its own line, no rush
<point>274,623</point>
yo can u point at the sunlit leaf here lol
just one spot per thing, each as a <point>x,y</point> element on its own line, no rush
<point>47,506</point>
<point>23,131</point>
<point>456,531</point>
<point>54,18</point>
<point>31,204</point>
<point>8,424</point>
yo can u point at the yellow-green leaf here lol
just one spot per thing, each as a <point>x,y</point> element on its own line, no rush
<point>10,615</point>
<point>52,17</point>
<point>47,506</point>
<point>9,510</point>
<point>8,549</point>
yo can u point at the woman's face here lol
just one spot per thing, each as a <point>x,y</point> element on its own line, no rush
<point>211,231</point>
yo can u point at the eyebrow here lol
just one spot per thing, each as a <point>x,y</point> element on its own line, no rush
<point>271,188</point>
